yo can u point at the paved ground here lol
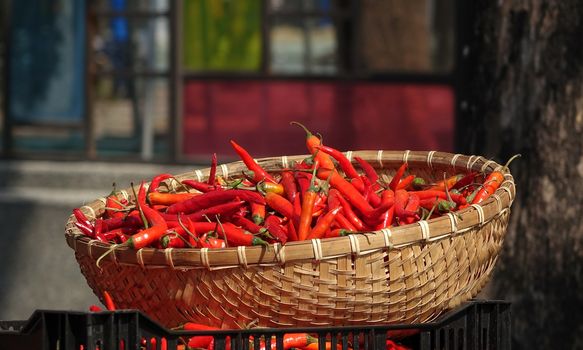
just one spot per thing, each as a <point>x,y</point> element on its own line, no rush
<point>37,268</point>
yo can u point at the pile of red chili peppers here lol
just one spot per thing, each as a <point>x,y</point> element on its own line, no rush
<point>322,196</point>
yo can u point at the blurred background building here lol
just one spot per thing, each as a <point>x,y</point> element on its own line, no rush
<point>173,81</point>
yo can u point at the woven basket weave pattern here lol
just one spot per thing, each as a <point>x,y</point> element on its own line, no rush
<point>407,274</point>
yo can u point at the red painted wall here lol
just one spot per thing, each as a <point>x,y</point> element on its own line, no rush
<point>350,116</point>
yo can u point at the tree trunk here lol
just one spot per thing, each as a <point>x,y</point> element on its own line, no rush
<point>526,96</point>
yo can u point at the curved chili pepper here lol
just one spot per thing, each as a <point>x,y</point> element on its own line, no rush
<point>464,181</point>
<point>157,180</point>
<point>213,171</point>
<point>386,219</point>
<point>159,198</point>
<point>458,198</point>
<point>370,172</point>
<point>200,186</point>
<point>344,223</point>
<point>108,301</point>
<point>449,183</point>
<point>280,204</point>
<point>346,188</point>
<point>292,234</point>
<point>412,206</point>
<point>213,198</point>
<point>81,218</point>
<point>347,210</point>
<point>113,206</point>
<point>259,174</point>
<point>406,182</point>
<point>323,224</point>
<point>345,164</point>
<point>312,142</point>
<point>133,219</point>
<point>397,178</point>
<point>308,200</point>
<point>247,224</point>
<point>289,185</point>
<point>157,227</point>
<point>88,231</point>
<point>234,235</point>
<point>223,209</point>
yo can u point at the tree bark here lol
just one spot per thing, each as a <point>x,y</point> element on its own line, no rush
<point>526,96</point>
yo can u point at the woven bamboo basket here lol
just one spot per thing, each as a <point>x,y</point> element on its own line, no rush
<point>406,274</point>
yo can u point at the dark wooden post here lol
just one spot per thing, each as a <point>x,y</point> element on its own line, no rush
<point>526,96</point>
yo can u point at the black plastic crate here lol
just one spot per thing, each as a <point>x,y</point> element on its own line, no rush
<point>477,325</point>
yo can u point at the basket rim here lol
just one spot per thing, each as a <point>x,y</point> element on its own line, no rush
<point>420,233</point>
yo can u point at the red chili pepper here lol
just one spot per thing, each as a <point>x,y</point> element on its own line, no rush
<point>370,194</point>
<point>158,225</point>
<point>458,198</point>
<point>108,301</point>
<point>492,182</point>
<point>259,174</point>
<point>346,188</point>
<point>222,210</point>
<point>95,308</point>
<point>401,199</point>
<point>465,181</point>
<point>344,163</point>
<point>290,341</point>
<point>159,198</point>
<point>173,240</point>
<point>215,243</point>
<point>113,206</point>
<point>312,142</point>
<point>449,183</point>
<point>386,219</point>
<point>280,204</point>
<point>200,186</point>
<point>347,210</point>
<point>81,218</point>
<point>273,225</point>
<point>441,205</point>
<point>131,220</point>
<point>157,180</point>
<point>208,199</point>
<point>490,186</point>
<point>233,234</point>
<point>309,197</point>
<point>406,182</point>
<point>412,206</point>
<point>87,231</point>
<point>370,172</point>
<point>397,178</point>
<point>247,224</point>
<point>213,171</point>
<point>344,223</point>
<point>323,224</point>
<point>289,185</point>
<point>291,231</point>
<point>258,213</point>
